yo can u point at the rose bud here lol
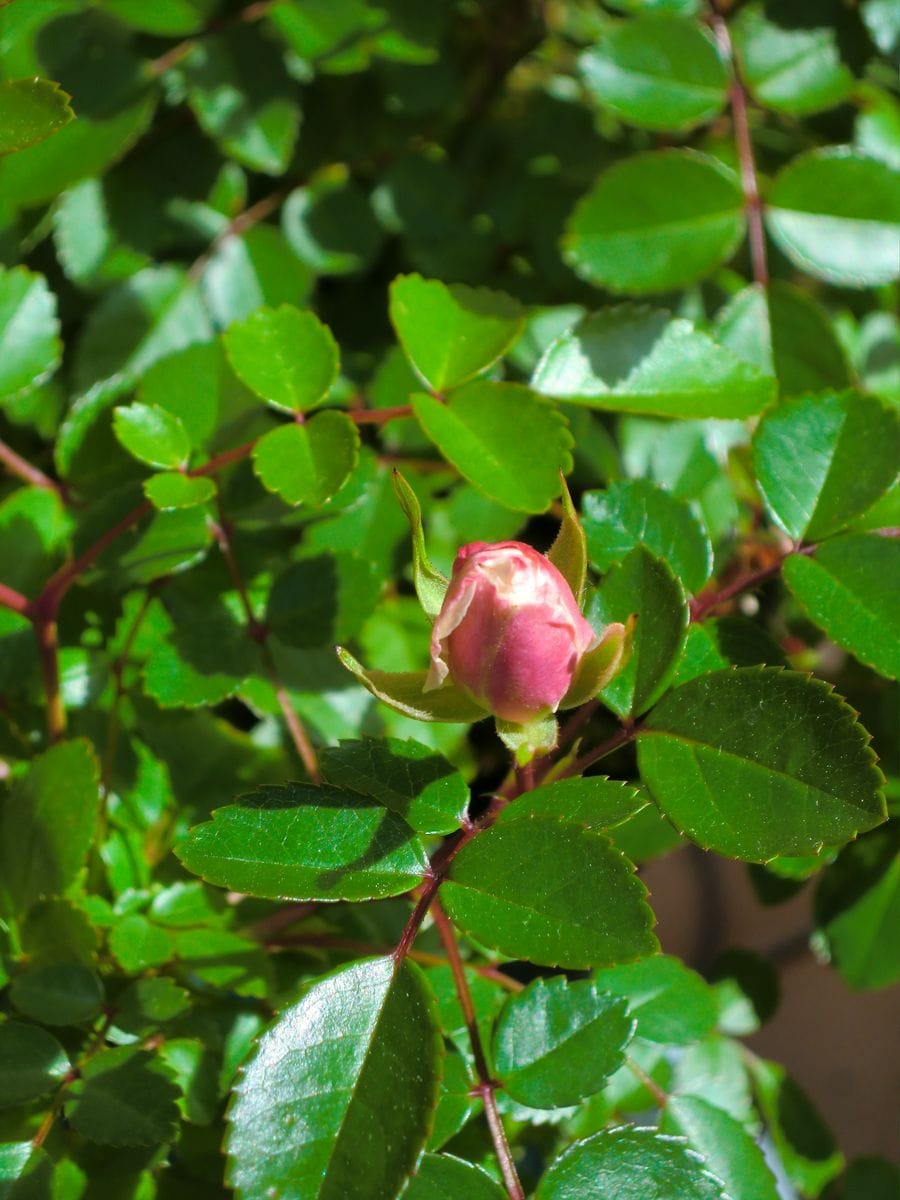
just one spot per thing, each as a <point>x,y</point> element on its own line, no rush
<point>509,631</point>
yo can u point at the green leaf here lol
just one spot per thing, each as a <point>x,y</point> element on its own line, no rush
<point>331,227</point>
<point>404,692</point>
<point>189,384</point>
<point>595,802</point>
<point>150,1002</point>
<point>657,72</point>
<point>550,892</point>
<point>155,313</point>
<point>792,67</point>
<point>804,1144</point>
<point>152,435</point>
<point>137,944</point>
<point>30,349</point>
<point>205,657</point>
<point>360,1047</point>
<point>451,332</point>
<point>26,1172</point>
<point>849,589</point>
<point>321,599</point>
<point>510,443</point>
<point>443,1177</point>
<point>784,331</point>
<point>857,909</point>
<point>308,463</point>
<point>304,842</point>
<point>287,357</point>
<point>836,214</point>
<point>410,779</point>
<point>167,18</point>
<point>728,1150</point>
<point>32,1063</point>
<point>247,271</point>
<point>714,1069</point>
<point>47,824</point>
<point>630,1163</point>
<point>635,513</point>
<point>55,930</point>
<point>431,586</point>
<point>656,221</point>
<point>643,586</point>
<point>31,110</point>
<point>756,762</point>
<point>172,490</point>
<point>632,358</point>
<point>124,1097</point>
<point>822,460</point>
<point>672,1004</point>
<point>242,96</point>
<point>58,994</point>
<point>557,1041</point>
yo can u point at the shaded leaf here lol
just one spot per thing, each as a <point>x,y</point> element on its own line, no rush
<point>124,1097</point>
<point>473,431</point>
<point>410,779</point>
<point>557,1042</point>
<point>822,460</point>
<point>804,1144</point>
<point>632,358</point>
<point>755,762</point>
<point>32,1063</point>
<point>632,513</point>
<point>644,587</point>
<point>304,842</point>
<point>511,888</point>
<point>58,993</point>
<point>444,1177</point>
<point>47,824</point>
<point>857,909</point>
<point>31,110</point>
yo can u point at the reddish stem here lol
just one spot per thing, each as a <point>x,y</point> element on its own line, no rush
<point>48,651</point>
<point>26,471</point>
<point>15,601</point>
<point>752,200</point>
<point>379,416</point>
<point>487,1086</point>
<point>580,765</point>
<point>56,587</point>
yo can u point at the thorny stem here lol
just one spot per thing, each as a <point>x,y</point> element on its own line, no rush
<point>487,1086</point>
<point>752,200</point>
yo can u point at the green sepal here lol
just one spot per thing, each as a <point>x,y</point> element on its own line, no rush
<point>569,551</point>
<point>527,742</point>
<point>601,665</point>
<point>431,586</point>
<point>403,692</point>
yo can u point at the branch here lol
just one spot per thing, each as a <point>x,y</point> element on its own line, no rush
<point>14,601</point>
<point>487,1086</point>
<point>22,469</point>
<point>752,200</point>
<point>48,651</point>
<point>621,738</point>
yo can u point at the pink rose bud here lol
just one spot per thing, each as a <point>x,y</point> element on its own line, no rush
<point>509,631</point>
